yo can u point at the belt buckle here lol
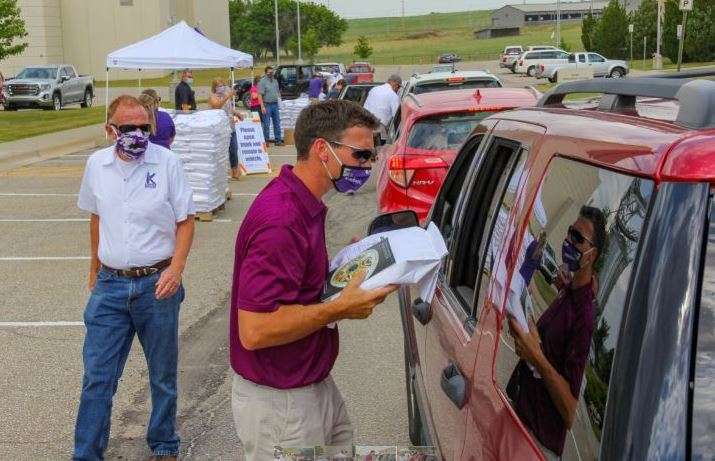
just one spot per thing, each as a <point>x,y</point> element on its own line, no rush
<point>151,270</point>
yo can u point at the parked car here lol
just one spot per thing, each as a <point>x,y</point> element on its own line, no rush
<point>49,87</point>
<point>627,371</point>
<point>332,67</point>
<point>542,47</point>
<point>508,57</point>
<point>528,62</point>
<point>242,88</point>
<point>359,72</point>
<point>424,137</point>
<point>440,81</point>
<point>293,79</point>
<point>601,67</point>
<point>358,92</point>
<point>447,58</point>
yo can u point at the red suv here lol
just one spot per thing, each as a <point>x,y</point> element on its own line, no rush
<point>613,357</point>
<point>424,137</point>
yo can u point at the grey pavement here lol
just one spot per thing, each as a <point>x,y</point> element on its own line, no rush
<point>42,365</point>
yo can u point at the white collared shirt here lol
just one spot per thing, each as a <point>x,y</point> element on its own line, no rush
<point>138,208</point>
<point>382,102</point>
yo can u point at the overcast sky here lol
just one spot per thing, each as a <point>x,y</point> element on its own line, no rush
<point>379,8</point>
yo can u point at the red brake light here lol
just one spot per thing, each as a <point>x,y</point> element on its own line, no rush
<point>455,79</point>
<point>521,62</point>
<point>402,169</point>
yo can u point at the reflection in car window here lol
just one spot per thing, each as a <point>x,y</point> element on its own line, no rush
<point>565,304</point>
<point>704,388</point>
<point>444,132</point>
<point>431,87</point>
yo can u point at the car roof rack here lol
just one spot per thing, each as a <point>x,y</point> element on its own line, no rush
<point>695,97</point>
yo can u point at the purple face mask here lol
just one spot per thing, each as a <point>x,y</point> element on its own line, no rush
<point>133,144</point>
<point>351,178</point>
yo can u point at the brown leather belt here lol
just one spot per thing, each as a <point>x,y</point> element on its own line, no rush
<point>136,272</point>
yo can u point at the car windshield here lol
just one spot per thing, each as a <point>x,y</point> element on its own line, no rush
<point>513,51</point>
<point>332,68</point>
<point>360,69</point>
<point>431,87</point>
<point>444,132</point>
<point>48,73</point>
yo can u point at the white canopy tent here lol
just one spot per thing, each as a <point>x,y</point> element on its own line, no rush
<point>178,47</point>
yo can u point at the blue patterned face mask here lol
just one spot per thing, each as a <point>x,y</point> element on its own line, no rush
<point>132,143</point>
<point>351,178</point>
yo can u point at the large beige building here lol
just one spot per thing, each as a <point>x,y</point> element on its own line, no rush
<point>83,32</point>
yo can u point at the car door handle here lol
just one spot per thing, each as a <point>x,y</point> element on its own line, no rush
<point>421,310</point>
<point>454,385</point>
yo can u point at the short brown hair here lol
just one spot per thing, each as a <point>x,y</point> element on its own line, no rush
<point>329,120</point>
<point>149,104</point>
<point>123,100</point>
<point>152,92</point>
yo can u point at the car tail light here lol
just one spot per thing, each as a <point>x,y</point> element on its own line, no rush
<point>455,79</point>
<point>521,62</point>
<point>402,169</point>
<point>541,67</point>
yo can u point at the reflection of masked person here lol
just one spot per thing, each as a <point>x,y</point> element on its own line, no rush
<point>534,252</point>
<point>557,346</point>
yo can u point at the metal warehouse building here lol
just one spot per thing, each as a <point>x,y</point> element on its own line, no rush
<point>511,16</point>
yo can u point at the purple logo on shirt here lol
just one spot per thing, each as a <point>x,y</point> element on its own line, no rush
<point>150,183</point>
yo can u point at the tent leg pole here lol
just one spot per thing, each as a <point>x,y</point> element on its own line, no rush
<point>106,102</point>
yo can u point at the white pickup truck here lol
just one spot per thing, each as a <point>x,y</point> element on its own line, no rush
<point>48,87</point>
<point>600,66</point>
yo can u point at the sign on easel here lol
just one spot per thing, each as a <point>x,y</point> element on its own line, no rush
<point>252,150</point>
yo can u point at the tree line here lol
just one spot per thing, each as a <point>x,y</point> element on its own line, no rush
<point>609,34</point>
<point>253,27</point>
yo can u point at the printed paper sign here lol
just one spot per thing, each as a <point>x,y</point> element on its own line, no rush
<point>252,151</point>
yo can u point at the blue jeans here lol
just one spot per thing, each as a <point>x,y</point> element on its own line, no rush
<point>272,113</point>
<point>233,150</point>
<point>118,308</point>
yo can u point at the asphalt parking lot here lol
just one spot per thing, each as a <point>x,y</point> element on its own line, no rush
<point>43,264</point>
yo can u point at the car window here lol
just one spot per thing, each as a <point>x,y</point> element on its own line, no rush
<point>443,212</point>
<point>703,410</point>
<point>289,73</point>
<point>581,58</point>
<point>444,132</point>
<point>466,84</point>
<point>495,170</point>
<point>394,127</point>
<point>574,296</point>
<point>593,57</point>
<point>70,72</point>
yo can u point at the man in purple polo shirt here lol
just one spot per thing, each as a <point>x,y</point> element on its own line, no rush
<point>315,87</point>
<point>282,349</point>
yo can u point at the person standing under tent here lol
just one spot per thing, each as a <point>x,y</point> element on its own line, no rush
<point>184,96</point>
<point>222,98</point>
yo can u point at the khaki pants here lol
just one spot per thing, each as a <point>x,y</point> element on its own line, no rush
<point>305,417</point>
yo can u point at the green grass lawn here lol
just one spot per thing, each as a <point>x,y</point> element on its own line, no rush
<point>422,38</point>
<point>34,122</point>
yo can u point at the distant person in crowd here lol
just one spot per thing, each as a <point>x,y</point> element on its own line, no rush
<point>2,87</point>
<point>283,339</point>
<point>222,98</point>
<point>315,88</point>
<point>334,93</point>
<point>383,101</point>
<point>149,104</point>
<point>557,346</point>
<point>255,100</point>
<point>141,229</point>
<point>184,96</point>
<point>165,130</point>
<point>271,94</point>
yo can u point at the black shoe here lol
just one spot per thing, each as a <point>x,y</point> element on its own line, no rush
<point>279,143</point>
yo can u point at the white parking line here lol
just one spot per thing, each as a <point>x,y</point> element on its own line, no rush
<point>22,194</point>
<point>40,324</point>
<point>43,258</point>
<point>47,220</point>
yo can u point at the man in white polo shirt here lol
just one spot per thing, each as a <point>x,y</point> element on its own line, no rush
<point>141,229</point>
<point>383,101</point>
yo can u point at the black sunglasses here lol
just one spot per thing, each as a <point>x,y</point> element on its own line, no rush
<point>124,129</point>
<point>360,154</point>
<point>577,236</point>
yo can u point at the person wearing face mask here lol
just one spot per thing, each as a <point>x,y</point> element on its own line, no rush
<point>141,229</point>
<point>271,94</point>
<point>281,345</point>
<point>184,96</point>
<point>222,98</point>
<point>545,384</point>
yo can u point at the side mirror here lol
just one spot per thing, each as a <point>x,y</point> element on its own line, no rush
<point>64,78</point>
<point>393,221</point>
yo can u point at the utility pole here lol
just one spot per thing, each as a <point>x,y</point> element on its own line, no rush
<point>278,54</point>
<point>300,49</point>
<point>558,23</point>
<point>685,6</point>
<point>657,58</point>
